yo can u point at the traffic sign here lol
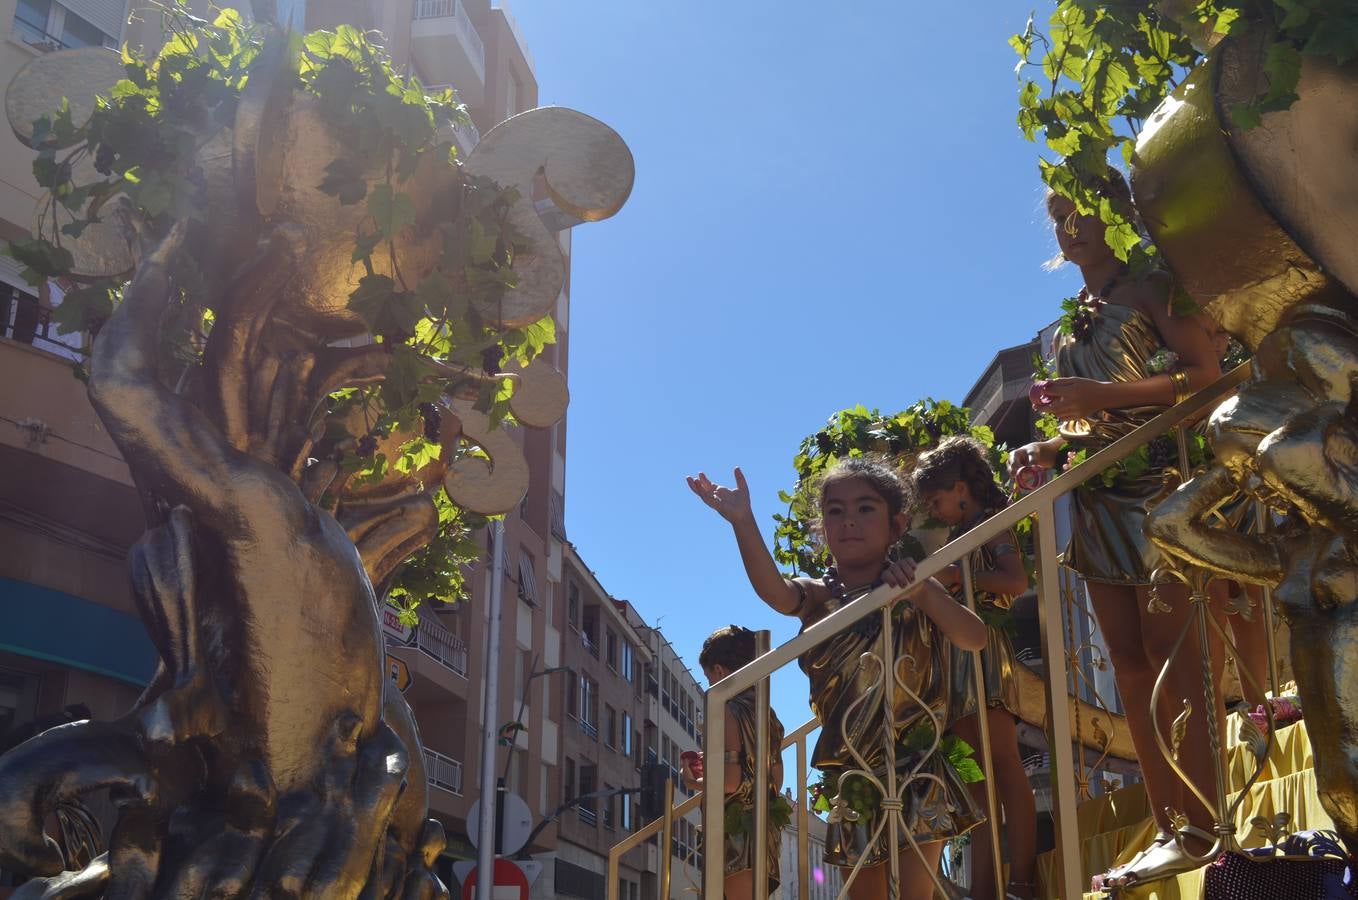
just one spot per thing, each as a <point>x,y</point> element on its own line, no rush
<point>397,632</point>
<point>510,882</point>
<point>515,824</point>
<point>399,673</point>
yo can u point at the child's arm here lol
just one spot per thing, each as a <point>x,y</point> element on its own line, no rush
<point>733,505</point>
<point>958,624</point>
<point>1008,578</point>
<point>730,770</point>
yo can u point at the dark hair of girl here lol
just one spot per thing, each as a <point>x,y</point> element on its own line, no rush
<point>878,474</point>
<point>730,646</point>
<point>959,458</point>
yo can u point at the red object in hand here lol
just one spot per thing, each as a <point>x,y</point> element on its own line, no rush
<point>694,759</point>
<point>1030,478</point>
<point>1038,396</point>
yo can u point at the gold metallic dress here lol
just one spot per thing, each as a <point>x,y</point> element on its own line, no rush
<point>739,847</point>
<point>847,695</point>
<point>1106,541</point>
<point>998,662</point>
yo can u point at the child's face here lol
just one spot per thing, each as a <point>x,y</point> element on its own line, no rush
<point>949,505</point>
<point>715,672</point>
<point>857,526</point>
<point>1079,237</point>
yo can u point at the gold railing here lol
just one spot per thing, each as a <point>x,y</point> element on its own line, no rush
<point>1059,682</point>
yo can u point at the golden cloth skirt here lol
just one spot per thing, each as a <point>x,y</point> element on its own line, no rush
<point>1107,543</point>
<point>998,669</point>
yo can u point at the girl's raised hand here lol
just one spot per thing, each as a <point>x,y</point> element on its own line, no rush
<point>732,504</point>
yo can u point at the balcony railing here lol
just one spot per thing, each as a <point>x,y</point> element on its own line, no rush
<point>438,643</point>
<point>590,644</point>
<point>441,9</point>
<point>24,319</point>
<point>589,728</point>
<point>443,771</point>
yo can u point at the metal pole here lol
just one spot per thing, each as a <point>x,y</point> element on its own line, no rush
<point>1062,768</point>
<point>983,729</point>
<point>485,844</point>
<point>803,826</point>
<point>759,839</point>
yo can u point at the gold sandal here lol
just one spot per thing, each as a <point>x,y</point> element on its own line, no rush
<point>1162,861</point>
<point>1102,881</point>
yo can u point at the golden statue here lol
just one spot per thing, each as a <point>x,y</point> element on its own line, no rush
<point>269,755</point>
<point>1258,227</point>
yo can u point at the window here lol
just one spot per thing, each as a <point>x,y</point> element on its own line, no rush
<point>611,649</point>
<point>589,706</point>
<point>44,22</point>
<point>628,662</point>
<point>589,629</point>
<point>568,782</point>
<point>626,735</point>
<point>588,810</point>
<point>30,20</point>
<point>76,32</point>
<point>528,586</point>
<point>573,690</point>
<point>573,606</point>
<point>610,726</point>
<point>608,805</point>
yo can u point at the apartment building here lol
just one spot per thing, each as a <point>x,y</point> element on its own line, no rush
<point>824,881</point>
<point>71,642</point>
<point>601,738</point>
<point>671,723</point>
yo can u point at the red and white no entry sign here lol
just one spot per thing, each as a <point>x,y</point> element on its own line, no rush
<point>510,883</point>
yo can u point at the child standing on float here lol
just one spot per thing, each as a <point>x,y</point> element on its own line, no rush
<point>728,650</point>
<point>863,508</point>
<point>1105,389</point>
<point>956,484</point>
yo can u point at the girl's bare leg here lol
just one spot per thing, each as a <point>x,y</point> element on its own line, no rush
<point>1014,797</point>
<point>917,875</point>
<point>1251,641</point>
<point>1184,681</point>
<point>1119,609</point>
<point>739,886</point>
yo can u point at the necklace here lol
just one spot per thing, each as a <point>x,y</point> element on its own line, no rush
<point>1086,306</point>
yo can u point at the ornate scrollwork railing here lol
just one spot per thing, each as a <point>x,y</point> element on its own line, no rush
<point>1070,781</point>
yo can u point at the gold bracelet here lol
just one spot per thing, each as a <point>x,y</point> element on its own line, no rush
<point>1179,378</point>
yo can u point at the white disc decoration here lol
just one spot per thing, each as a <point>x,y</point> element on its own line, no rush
<point>491,486</point>
<point>540,397</point>
<point>588,171</point>
<point>80,76</point>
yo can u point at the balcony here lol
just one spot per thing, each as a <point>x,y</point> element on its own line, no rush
<point>588,816</point>
<point>24,319</point>
<point>465,136</point>
<point>441,645</point>
<point>590,729</point>
<point>590,644</point>
<point>443,772</point>
<point>447,48</point>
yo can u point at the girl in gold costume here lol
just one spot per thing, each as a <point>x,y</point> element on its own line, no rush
<point>1106,387</point>
<point>957,486</point>
<point>726,650</point>
<point>863,507</point>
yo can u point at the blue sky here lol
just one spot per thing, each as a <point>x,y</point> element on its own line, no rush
<point>833,206</point>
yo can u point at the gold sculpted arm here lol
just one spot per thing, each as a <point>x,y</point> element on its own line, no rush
<point>168,442</point>
<point>1179,526</point>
